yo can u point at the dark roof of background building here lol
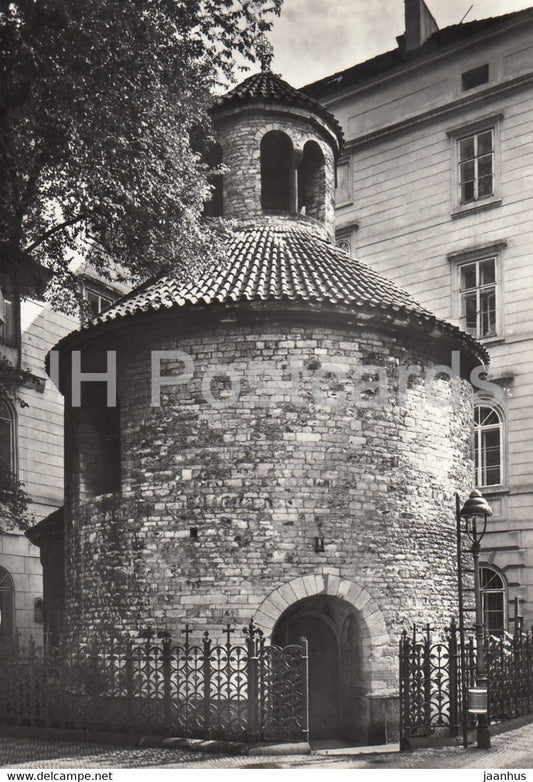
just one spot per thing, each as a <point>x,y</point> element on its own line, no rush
<point>51,526</point>
<point>284,262</point>
<point>392,60</point>
<point>268,87</point>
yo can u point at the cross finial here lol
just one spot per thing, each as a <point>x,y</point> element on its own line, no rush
<point>228,630</point>
<point>265,52</point>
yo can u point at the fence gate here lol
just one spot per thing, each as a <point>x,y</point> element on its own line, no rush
<point>197,688</point>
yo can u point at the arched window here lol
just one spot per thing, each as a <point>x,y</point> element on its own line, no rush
<point>488,430</point>
<point>7,608</point>
<point>312,182</point>
<point>277,168</point>
<point>7,439</point>
<point>494,600</point>
<point>215,206</point>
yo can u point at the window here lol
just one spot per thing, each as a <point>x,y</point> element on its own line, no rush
<point>475,77</point>
<point>488,426</point>
<point>344,189</point>
<point>7,440</point>
<point>345,239</point>
<point>493,599</point>
<point>7,608</point>
<point>344,243</point>
<point>8,316</point>
<point>477,287</point>
<point>476,166</point>
<point>96,302</point>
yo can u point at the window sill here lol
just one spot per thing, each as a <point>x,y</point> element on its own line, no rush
<point>476,206</point>
<point>343,204</point>
<point>489,341</point>
<point>493,490</point>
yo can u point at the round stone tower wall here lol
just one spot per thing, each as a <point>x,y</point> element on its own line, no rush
<point>232,484</point>
<point>240,135</point>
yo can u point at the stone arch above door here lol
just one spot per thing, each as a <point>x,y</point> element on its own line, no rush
<point>299,588</point>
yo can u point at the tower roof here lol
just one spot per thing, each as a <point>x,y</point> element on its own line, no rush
<point>267,87</point>
<point>281,261</point>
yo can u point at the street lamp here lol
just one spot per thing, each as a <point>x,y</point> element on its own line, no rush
<point>476,507</point>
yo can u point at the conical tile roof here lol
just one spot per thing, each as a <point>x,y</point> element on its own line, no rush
<point>267,87</point>
<point>280,262</point>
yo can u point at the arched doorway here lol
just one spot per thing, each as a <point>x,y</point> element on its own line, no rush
<point>337,702</point>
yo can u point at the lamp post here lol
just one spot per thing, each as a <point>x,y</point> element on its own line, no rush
<point>476,507</point>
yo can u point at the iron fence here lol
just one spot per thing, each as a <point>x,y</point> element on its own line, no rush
<point>249,691</point>
<point>510,675</point>
<point>437,671</point>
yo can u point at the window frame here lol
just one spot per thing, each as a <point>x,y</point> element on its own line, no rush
<point>89,286</point>
<point>7,290</point>
<point>478,445</point>
<point>503,591</point>
<point>456,134</point>
<point>6,575</point>
<point>477,291</point>
<point>12,418</point>
<point>348,235</point>
<point>463,258</point>
<point>348,201</point>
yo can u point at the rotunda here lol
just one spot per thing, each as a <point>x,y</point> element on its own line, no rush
<point>285,442</point>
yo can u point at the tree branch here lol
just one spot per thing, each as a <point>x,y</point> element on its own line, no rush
<point>55,229</point>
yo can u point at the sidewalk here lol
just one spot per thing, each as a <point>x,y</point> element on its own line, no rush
<point>510,750</point>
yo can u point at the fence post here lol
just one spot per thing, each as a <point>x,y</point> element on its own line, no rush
<point>92,688</point>
<point>305,686</point>
<point>207,684</point>
<point>452,673</point>
<point>32,701</point>
<point>404,689</point>
<point>427,680</point>
<point>129,679</point>
<point>253,689</point>
<point>167,642</point>
<point>529,669</point>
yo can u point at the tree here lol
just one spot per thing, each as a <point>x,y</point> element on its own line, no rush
<point>98,103</point>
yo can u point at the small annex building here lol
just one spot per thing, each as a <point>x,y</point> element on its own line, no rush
<point>268,456</point>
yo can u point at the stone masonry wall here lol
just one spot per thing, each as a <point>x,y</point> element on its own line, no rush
<point>255,479</point>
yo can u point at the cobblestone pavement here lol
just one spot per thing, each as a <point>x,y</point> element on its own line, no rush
<point>509,750</point>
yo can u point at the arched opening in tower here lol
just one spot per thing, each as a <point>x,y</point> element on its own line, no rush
<point>312,182</point>
<point>338,676</point>
<point>276,171</point>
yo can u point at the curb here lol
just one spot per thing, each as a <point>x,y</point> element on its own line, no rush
<point>213,746</point>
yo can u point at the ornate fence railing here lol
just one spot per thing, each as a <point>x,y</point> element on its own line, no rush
<point>437,671</point>
<point>249,691</point>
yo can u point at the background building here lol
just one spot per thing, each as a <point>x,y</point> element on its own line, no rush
<point>435,190</point>
<point>31,442</point>
<point>31,437</point>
